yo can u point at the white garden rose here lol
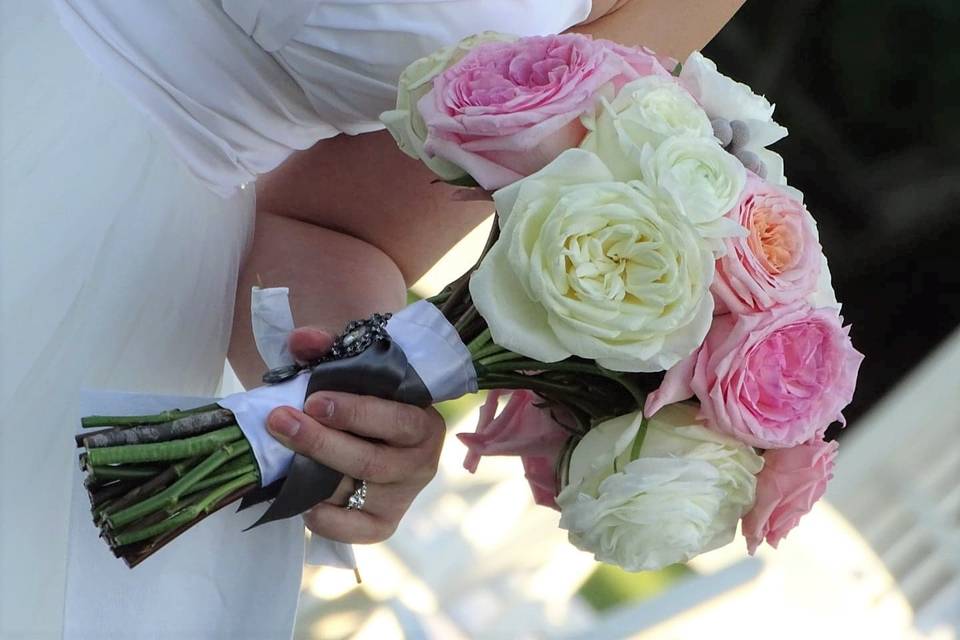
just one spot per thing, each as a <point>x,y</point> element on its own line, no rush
<point>644,497</point>
<point>706,181</point>
<point>723,97</point>
<point>593,267</point>
<point>405,123</point>
<point>645,112</point>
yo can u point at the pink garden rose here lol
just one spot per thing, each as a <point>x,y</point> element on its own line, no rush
<point>522,429</point>
<point>773,379</point>
<point>791,481</point>
<point>778,262</point>
<point>507,109</point>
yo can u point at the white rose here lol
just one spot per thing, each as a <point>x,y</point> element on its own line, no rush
<point>645,112</point>
<point>405,123</point>
<point>724,97</point>
<point>720,95</point>
<point>705,180</point>
<point>589,266</point>
<point>647,497</point>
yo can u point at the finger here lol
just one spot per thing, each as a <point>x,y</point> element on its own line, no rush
<point>396,423</point>
<point>343,451</point>
<point>343,491</point>
<point>309,343</point>
<point>357,527</point>
<point>385,501</point>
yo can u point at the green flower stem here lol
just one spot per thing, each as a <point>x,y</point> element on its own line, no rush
<point>155,484</point>
<point>479,342</point>
<point>91,422</point>
<point>125,471</point>
<point>188,514</point>
<point>226,474</point>
<point>465,319</point>
<point>586,403</point>
<point>111,491</point>
<point>501,356</point>
<point>171,494</point>
<point>136,553</point>
<point>638,441</point>
<point>171,450</point>
<point>97,510</point>
<point>440,298</point>
<point>568,367</point>
<point>240,461</point>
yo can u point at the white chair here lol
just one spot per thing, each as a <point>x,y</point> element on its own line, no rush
<point>898,482</point>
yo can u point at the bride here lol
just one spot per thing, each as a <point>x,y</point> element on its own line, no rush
<point>132,136</point>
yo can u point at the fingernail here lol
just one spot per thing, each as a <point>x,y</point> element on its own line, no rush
<point>319,406</point>
<point>326,407</point>
<point>283,424</point>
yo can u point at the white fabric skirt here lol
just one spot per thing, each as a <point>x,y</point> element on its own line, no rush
<point>117,270</point>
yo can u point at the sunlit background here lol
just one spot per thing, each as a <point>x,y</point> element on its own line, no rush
<point>867,89</point>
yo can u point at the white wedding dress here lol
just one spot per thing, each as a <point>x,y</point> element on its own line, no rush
<point>131,132</point>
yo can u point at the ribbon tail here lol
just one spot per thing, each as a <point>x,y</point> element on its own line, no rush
<point>261,494</point>
<point>308,483</point>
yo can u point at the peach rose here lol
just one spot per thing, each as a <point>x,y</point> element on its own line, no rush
<point>778,262</point>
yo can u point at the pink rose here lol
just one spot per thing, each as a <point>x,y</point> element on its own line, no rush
<point>778,262</point>
<point>791,481</point>
<point>522,429</point>
<point>773,379</point>
<point>507,109</point>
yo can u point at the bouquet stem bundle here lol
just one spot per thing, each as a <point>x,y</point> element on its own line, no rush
<point>151,477</point>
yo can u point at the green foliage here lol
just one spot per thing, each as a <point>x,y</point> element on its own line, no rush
<point>454,410</point>
<point>609,587</point>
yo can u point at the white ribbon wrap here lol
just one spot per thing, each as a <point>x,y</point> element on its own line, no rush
<point>272,323</point>
<point>434,350</point>
<point>251,409</point>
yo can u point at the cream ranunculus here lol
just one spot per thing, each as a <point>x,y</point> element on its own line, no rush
<point>405,123</point>
<point>706,181</point>
<point>589,266</point>
<point>647,496</point>
<point>645,112</point>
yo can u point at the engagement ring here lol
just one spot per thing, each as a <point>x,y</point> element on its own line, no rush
<point>355,503</point>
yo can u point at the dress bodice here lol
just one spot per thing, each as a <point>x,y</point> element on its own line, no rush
<point>237,85</point>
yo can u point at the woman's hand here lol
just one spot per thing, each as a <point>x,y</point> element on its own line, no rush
<point>394,446</point>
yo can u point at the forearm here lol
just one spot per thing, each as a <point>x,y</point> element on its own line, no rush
<point>669,27</point>
<point>366,188</point>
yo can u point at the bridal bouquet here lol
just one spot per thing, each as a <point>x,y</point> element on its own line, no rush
<point>647,251</point>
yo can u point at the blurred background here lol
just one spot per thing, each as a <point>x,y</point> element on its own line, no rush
<point>870,91</point>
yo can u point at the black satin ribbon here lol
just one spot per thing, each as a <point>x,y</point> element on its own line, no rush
<point>381,370</point>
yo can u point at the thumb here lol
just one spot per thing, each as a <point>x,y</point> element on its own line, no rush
<point>309,343</point>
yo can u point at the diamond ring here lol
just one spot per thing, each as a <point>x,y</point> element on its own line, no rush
<point>359,496</point>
